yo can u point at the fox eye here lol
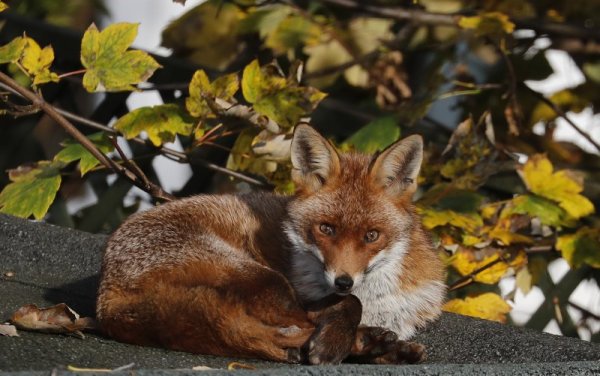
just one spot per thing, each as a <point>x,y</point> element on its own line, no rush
<point>371,236</point>
<point>327,229</point>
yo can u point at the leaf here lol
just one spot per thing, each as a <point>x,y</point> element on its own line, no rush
<point>567,100</point>
<point>322,56</point>
<point>110,67</point>
<point>3,6</point>
<point>488,306</point>
<point>276,97</point>
<point>535,206</point>
<point>207,35</point>
<point>592,71</point>
<point>292,32</point>
<point>582,247</point>
<point>369,33</point>
<point>375,136</point>
<point>265,20</point>
<point>433,218</point>
<point>223,87</point>
<point>466,263</point>
<point>32,190</point>
<point>524,280</point>
<point>562,186</point>
<point>74,151</point>
<point>161,123</point>
<point>8,330</point>
<point>56,319</point>
<point>488,23</point>
<point>36,61</point>
<point>12,52</point>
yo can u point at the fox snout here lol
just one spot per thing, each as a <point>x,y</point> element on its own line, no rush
<point>343,284</point>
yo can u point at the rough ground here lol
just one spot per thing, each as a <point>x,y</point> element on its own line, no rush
<point>53,265</point>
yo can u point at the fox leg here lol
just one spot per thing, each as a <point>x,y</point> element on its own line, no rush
<point>200,308</point>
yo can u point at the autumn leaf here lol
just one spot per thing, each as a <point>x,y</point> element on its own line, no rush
<point>277,97</point>
<point>582,247</point>
<point>109,66</point>
<point>292,32</point>
<point>74,151</point>
<point>567,100</point>
<point>208,34</point>
<point>161,123</point>
<point>433,218</point>
<point>489,23</point>
<point>200,87</point>
<point>32,190</point>
<point>56,319</point>
<point>548,212</point>
<point>375,136</point>
<point>12,52</point>
<point>562,186</point>
<point>36,61</point>
<point>488,306</point>
<point>465,263</point>
<point>8,330</point>
<point>3,6</point>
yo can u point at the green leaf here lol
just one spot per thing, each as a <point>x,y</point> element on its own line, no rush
<point>12,52</point>
<point>208,34</point>
<point>291,33</point>
<point>433,218</point>
<point>582,247</point>
<point>110,67</point>
<point>375,136</point>
<point>592,70</point>
<point>563,186</point>
<point>223,87</point>
<point>161,123</point>
<point>265,20</point>
<point>32,190</point>
<point>74,151</point>
<point>535,206</point>
<point>276,97</point>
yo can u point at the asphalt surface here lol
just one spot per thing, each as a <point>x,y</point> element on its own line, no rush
<point>51,265</point>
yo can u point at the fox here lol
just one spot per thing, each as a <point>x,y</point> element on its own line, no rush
<point>341,270</point>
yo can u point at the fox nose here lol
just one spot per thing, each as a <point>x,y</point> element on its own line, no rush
<point>343,283</point>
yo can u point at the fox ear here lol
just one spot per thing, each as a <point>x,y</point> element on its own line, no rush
<point>314,159</point>
<point>397,167</point>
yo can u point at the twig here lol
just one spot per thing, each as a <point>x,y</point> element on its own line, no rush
<point>38,101</point>
<point>562,114</point>
<point>469,278</point>
<point>167,152</point>
<point>584,311</point>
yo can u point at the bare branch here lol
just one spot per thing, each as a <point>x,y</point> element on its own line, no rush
<point>38,101</point>
<point>563,115</point>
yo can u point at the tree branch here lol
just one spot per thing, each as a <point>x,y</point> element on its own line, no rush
<point>168,152</point>
<point>38,101</point>
<point>562,114</point>
<point>443,19</point>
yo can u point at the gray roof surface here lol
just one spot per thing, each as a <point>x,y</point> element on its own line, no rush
<point>53,265</point>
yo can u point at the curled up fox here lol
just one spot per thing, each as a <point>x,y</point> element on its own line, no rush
<point>341,270</point>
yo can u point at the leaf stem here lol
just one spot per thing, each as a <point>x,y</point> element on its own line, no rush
<point>73,73</point>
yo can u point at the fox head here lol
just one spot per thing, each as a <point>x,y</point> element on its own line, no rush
<point>352,220</point>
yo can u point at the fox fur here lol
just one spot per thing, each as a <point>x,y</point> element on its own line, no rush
<point>240,275</point>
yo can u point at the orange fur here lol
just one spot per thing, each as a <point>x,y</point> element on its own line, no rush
<point>237,274</point>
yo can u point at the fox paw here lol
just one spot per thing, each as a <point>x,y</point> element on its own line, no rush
<point>328,345</point>
<point>373,341</point>
<point>403,352</point>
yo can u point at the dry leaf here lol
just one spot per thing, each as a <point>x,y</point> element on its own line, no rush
<point>8,330</point>
<point>56,319</point>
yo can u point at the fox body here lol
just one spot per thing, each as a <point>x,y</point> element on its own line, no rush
<point>239,275</point>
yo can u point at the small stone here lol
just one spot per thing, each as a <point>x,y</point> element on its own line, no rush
<point>9,274</point>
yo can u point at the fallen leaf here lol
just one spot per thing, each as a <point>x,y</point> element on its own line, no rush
<point>488,306</point>
<point>8,330</point>
<point>56,319</point>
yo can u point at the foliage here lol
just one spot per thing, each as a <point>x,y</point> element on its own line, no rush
<point>501,199</point>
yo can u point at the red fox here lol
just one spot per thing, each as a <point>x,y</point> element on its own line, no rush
<point>340,270</point>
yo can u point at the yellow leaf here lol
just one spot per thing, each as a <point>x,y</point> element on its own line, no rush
<point>322,56</point>
<point>12,52</point>
<point>37,61</point>
<point>488,306</point>
<point>524,280</point>
<point>223,87</point>
<point>465,263</point>
<point>562,187</point>
<point>508,237</point>
<point>433,218</point>
<point>566,99</point>
<point>3,6</point>
<point>582,247</point>
<point>489,23</point>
